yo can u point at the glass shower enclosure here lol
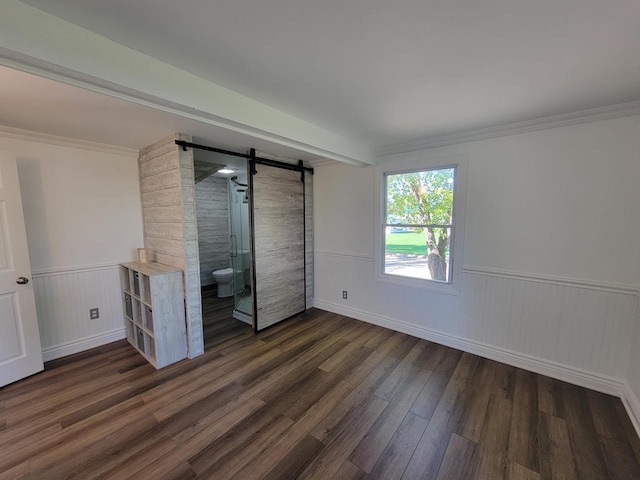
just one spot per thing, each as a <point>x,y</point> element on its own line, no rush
<point>239,247</point>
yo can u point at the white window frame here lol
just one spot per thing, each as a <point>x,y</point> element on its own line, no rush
<point>414,162</point>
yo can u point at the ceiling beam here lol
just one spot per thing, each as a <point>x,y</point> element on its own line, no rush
<point>36,42</point>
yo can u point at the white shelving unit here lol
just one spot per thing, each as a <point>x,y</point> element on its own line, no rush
<point>153,299</point>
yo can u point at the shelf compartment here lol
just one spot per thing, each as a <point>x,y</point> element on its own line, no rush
<point>129,330</point>
<point>145,288</point>
<point>140,339</point>
<point>136,311</point>
<point>125,278</point>
<point>128,306</point>
<point>136,283</point>
<point>148,317</point>
<point>149,347</point>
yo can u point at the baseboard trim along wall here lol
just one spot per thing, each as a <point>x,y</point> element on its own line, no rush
<point>82,344</point>
<point>594,381</point>
<point>632,405</point>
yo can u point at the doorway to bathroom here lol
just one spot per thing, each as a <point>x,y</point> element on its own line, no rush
<point>260,209</point>
<point>222,216</point>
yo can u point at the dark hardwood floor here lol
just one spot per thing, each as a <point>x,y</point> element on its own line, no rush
<point>319,396</point>
<point>218,324</point>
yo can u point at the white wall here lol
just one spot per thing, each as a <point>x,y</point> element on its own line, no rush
<point>632,393</point>
<point>82,215</point>
<point>551,254</point>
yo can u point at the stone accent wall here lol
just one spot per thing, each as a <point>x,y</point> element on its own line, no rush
<point>212,211</point>
<point>169,220</point>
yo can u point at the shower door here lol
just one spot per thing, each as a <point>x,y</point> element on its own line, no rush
<point>277,208</point>
<point>239,249</point>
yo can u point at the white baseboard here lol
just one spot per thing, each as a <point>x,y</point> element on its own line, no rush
<point>576,376</point>
<point>82,344</point>
<point>632,405</point>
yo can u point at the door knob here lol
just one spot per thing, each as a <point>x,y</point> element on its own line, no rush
<point>22,280</point>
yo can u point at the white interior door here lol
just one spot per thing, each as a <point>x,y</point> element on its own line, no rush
<point>20,349</point>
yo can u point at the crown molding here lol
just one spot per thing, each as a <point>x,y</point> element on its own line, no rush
<point>544,123</point>
<point>39,137</point>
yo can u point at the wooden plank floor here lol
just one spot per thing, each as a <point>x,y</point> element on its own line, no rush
<point>319,396</point>
<point>218,324</point>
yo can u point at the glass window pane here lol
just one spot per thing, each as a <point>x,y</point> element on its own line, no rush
<point>420,198</point>
<point>418,253</point>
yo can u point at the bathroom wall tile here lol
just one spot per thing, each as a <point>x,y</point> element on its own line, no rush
<point>172,231</point>
<point>212,207</point>
<point>190,231</point>
<point>188,197</point>
<point>158,198</point>
<point>165,245</point>
<point>162,146</point>
<point>171,260</point>
<point>189,213</point>
<point>165,214</point>
<point>162,163</point>
<point>187,175</point>
<point>191,248</point>
<point>160,181</point>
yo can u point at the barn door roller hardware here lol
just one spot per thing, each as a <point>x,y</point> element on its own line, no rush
<point>251,156</point>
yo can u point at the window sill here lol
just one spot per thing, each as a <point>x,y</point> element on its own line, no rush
<point>419,284</point>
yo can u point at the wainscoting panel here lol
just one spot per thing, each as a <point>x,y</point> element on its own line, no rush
<point>63,300</point>
<point>573,330</point>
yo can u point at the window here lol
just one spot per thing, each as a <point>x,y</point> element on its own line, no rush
<point>419,225</point>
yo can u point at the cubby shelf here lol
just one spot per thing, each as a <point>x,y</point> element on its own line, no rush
<point>153,299</point>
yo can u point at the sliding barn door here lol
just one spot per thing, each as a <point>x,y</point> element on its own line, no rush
<point>277,197</point>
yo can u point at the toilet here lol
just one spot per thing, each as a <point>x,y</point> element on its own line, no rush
<point>224,279</point>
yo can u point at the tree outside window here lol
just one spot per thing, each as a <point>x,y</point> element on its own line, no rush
<point>418,223</point>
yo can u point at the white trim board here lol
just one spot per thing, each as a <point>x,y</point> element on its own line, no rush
<point>82,344</point>
<point>39,137</point>
<point>530,277</point>
<point>47,272</point>
<point>576,376</point>
<point>632,405</point>
<point>554,280</point>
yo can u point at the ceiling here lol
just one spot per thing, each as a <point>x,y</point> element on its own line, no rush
<point>387,72</point>
<point>38,104</point>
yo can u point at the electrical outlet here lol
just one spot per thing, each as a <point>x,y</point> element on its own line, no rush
<point>94,313</point>
<point>344,294</point>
